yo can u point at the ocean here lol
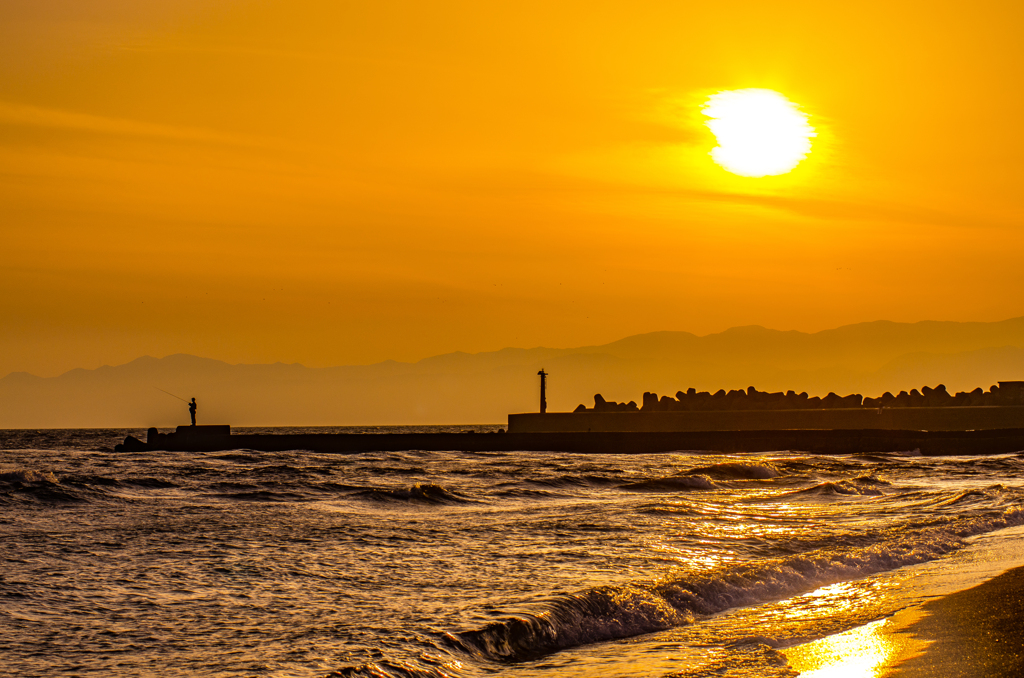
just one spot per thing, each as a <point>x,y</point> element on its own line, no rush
<point>541,565</point>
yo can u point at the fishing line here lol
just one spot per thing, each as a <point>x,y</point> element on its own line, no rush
<point>171,394</point>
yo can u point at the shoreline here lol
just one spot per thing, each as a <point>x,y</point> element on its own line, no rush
<point>976,632</point>
<point>972,633</point>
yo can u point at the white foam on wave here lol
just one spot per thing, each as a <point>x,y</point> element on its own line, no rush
<point>28,476</point>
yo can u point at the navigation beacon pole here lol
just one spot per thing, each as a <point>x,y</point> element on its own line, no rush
<point>543,391</point>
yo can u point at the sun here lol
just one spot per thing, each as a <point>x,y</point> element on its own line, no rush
<point>760,133</point>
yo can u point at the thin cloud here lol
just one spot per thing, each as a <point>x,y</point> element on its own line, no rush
<point>13,114</point>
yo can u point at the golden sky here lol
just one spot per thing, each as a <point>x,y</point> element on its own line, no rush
<point>334,182</point>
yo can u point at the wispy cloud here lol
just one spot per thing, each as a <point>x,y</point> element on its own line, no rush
<point>13,114</point>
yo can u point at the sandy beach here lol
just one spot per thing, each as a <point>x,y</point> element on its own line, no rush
<point>974,633</point>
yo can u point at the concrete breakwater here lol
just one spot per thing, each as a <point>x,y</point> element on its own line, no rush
<point>886,419</point>
<point>1003,394</point>
<point>930,409</point>
<point>839,441</point>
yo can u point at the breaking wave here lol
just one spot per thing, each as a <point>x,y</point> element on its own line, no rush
<point>872,480</point>
<point>42,486</point>
<point>427,493</point>
<point>834,488</point>
<point>28,476</point>
<point>614,612</point>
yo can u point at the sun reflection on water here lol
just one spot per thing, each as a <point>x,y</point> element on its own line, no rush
<point>830,599</point>
<point>863,652</point>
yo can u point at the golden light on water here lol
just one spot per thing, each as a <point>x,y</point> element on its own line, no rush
<point>864,652</point>
<point>759,132</point>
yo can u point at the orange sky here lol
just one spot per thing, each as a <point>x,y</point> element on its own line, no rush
<point>345,182</point>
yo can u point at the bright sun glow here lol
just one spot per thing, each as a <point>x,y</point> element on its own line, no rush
<point>863,652</point>
<point>760,132</point>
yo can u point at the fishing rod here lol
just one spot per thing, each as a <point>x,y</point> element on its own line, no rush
<point>171,394</point>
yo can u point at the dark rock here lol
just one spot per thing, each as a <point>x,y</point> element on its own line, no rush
<point>937,397</point>
<point>736,400</point>
<point>131,444</point>
<point>794,401</point>
<point>852,400</point>
<point>687,401</point>
<point>831,401</point>
<point>580,408</point>
<point>1010,393</point>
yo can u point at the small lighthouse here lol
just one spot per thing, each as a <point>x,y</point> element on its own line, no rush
<point>543,391</point>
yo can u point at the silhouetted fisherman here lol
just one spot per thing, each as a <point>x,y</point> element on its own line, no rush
<point>543,391</point>
<point>192,410</point>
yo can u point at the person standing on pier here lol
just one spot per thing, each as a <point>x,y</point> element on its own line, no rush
<point>543,391</point>
<point>192,411</point>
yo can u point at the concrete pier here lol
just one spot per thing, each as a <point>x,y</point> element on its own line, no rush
<point>886,419</point>
<point>836,441</point>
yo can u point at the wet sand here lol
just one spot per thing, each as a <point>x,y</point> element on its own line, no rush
<point>973,633</point>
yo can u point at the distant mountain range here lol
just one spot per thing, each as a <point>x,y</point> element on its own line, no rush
<point>866,358</point>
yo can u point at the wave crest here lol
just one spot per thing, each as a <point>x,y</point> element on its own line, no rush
<point>671,484</point>
<point>736,470</point>
<point>834,488</point>
<point>590,616</point>
<point>422,493</point>
<point>608,613</point>
<point>26,476</point>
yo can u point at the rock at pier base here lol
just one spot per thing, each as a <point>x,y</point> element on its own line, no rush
<point>131,444</point>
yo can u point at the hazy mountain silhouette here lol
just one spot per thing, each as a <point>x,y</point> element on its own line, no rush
<point>866,358</point>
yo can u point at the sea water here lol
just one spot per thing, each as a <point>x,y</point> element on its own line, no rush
<point>244,563</point>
